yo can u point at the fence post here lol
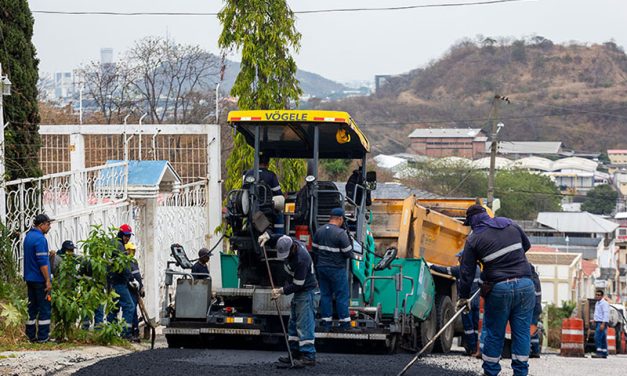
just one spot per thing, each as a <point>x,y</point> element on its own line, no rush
<point>151,257</point>
<point>214,199</point>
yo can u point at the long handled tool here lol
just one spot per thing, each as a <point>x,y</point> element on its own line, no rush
<point>150,322</point>
<point>438,334</point>
<point>278,310</point>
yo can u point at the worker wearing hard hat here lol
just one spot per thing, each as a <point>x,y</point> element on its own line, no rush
<point>136,286</point>
<point>499,245</point>
<point>119,280</point>
<point>470,318</point>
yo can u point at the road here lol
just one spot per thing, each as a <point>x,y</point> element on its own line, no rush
<point>247,362</point>
<point>162,362</point>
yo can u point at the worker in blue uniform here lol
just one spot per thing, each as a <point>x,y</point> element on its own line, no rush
<point>136,286</point>
<point>37,275</point>
<point>303,285</point>
<point>536,346</point>
<point>601,321</point>
<point>200,269</point>
<point>270,179</point>
<point>499,245</point>
<point>118,281</point>
<point>332,249</point>
<point>470,318</point>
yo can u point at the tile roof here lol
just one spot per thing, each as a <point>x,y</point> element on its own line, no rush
<point>542,258</point>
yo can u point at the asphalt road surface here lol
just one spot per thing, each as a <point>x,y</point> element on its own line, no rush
<point>168,362</point>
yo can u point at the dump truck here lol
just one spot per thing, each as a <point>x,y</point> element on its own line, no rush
<point>395,300</point>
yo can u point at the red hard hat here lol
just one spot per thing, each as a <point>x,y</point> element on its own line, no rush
<point>126,229</point>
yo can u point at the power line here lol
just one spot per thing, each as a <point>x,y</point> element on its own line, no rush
<point>313,11</point>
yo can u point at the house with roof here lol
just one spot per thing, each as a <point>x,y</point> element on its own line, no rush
<point>520,149</point>
<point>146,179</point>
<point>590,235</point>
<point>445,142</point>
<point>560,276</point>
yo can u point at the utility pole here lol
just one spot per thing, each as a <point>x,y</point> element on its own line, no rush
<point>496,127</point>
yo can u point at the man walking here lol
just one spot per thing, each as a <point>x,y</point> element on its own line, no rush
<point>331,249</point>
<point>304,303</point>
<point>37,275</point>
<point>601,319</point>
<point>118,280</point>
<point>470,318</point>
<point>500,245</point>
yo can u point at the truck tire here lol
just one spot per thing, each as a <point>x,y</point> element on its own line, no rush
<point>444,311</point>
<point>425,331</point>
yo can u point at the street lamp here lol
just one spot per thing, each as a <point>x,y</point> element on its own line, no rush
<point>6,86</point>
<point>5,89</point>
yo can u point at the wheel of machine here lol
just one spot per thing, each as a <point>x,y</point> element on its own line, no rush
<point>391,344</point>
<point>174,341</point>
<point>425,331</point>
<point>444,311</point>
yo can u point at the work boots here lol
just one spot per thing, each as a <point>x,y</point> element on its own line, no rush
<point>296,355</point>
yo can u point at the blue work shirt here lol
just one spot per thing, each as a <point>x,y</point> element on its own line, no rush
<point>267,177</point>
<point>35,256</point>
<point>456,272</point>
<point>331,246</point>
<point>301,270</point>
<point>500,245</point>
<point>602,311</point>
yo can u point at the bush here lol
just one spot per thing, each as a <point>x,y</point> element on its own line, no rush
<point>81,287</point>
<point>555,317</point>
<point>13,302</point>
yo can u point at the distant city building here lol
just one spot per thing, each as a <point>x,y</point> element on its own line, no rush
<point>106,55</point>
<point>447,142</point>
<point>63,85</point>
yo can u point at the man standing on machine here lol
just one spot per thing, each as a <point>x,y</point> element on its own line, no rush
<point>331,249</point>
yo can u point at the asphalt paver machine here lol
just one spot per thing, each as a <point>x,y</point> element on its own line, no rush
<point>391,297</point>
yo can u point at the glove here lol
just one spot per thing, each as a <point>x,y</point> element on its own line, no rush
<point>134,285</point>
<point>463,303</point>
<point>263,239</point>
<point>276,293</point>
<point>142,292</point>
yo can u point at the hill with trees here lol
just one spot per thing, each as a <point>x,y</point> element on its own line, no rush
<point>573,93</point>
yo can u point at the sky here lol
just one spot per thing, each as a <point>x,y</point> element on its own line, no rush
<point>347,46</point>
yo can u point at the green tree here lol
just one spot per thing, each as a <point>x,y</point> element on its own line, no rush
<point>81,287</point>
<point>524,194</point>
<point>18,60</point>
<point>600,200</point>
<point>265,33</point>
<point>335,168</point>
<point>451,178</point>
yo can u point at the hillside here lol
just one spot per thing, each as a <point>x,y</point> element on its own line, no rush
<point>312,84</point>
<point>573,93</point>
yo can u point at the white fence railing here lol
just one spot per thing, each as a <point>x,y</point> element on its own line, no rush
<point>98,195</point>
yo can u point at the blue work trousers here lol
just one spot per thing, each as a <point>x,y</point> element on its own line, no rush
<point>334,281</point>
<point>536,346</point>
<point>124,302</point>
<point>470,320</point>
<point>600,339</point>
<point>302,324</point>
<point>39,309</point>
<point>98,319</point>
<point>512,301</point>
